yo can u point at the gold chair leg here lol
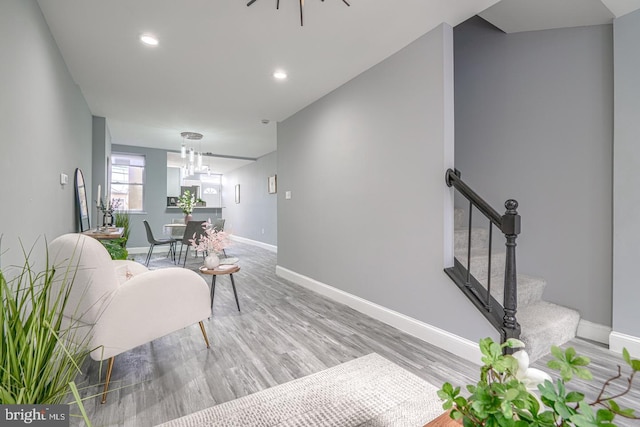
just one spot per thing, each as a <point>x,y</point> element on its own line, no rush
<point>106,382</point>
<point>204,333</point>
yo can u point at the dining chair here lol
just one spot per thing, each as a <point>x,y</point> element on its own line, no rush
<point>218,225</point>
<point>193,230</point>
<point>177,232</point>
<point>153,242</point>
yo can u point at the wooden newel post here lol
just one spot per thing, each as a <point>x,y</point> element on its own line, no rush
<point>511,229</point>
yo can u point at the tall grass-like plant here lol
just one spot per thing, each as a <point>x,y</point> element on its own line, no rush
<point>123,219</point>
<point>40,353</point>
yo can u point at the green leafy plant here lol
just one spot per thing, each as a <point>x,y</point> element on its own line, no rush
<point>40,355</point>
<point>117,248</point>
<point>187,202</point>
<point>123,219</point>
<point>500,398</point>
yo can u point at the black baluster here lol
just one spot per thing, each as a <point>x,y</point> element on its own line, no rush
<point>468,284</point>
<point>511,229</point>
<point>487,304</point>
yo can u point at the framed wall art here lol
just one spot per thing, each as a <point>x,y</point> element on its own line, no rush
<point>272,185</point>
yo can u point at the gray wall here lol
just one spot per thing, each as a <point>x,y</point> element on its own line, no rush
<point>101,156</point>
<point>155,197</point>
<point>46,130</point>
<point>626,226</point>
<point>255,217</point>
<point>534,122</point>
<point>365,165</point>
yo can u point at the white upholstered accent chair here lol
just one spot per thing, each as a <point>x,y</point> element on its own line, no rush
<point>122,303</point>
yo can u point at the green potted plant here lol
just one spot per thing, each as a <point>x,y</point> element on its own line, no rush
<point>40,355</point>
<point>117,248</point>
<point>501,396</point>
<point>187,201</point>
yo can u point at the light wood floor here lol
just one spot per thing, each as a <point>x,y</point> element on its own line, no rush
<point>284,332</point>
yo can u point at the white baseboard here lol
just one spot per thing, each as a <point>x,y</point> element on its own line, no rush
<point>593,331</point>
<point>619,340</point>
<point>459,346</point>
<point>262,245</point>
<point>145,249</point>
<point>162,249</point>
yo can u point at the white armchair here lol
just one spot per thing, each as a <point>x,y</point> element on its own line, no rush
<point>122,303</point>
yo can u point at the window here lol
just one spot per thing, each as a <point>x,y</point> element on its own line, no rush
<point>127,181</point>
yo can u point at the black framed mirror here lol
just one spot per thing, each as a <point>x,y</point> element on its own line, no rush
<point>82,207</point>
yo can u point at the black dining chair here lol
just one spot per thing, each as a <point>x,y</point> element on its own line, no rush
<point>218,225</point>
<point>153,242</point>
<point>193,230</point>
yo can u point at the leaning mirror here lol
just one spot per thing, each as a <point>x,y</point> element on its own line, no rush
<point>82,208</point>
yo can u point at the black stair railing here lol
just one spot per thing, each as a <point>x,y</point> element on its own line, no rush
<point>501,315</point>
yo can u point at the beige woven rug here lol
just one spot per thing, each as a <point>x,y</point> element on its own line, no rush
<point>368,391</point>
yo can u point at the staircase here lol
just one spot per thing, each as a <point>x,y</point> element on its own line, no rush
<point>542,323</point>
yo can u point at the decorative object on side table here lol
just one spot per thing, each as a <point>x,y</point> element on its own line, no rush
<point>108,210</point>
<point>187,202</point>
<point>504,394</point>
<point>211,242</point>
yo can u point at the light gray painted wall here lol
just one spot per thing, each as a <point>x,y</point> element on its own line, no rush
<point>365,165</point>
<point>155,197</point>
<point>534,122</point>
<point>46,130</point>
<point>626,208</point>
<point>255,217</point>
<point>101,156</point>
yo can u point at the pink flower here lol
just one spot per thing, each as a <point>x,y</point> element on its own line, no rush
<point>210,241</point>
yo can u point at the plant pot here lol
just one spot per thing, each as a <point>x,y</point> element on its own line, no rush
<point>187,218</point>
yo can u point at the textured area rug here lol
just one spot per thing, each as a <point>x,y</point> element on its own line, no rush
<point>369,391</point>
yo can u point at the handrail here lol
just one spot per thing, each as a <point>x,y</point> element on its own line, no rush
<point>453,180</point>
<point>502,316</point>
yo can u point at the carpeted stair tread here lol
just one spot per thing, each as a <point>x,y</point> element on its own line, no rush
<point>480,262</point>
<point>530,288</point>
<point>479,238</point>
<point>544,324</point>
<point>459,218</point>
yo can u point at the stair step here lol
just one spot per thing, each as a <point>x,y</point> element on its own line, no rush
<point>479,238</point>
<point>458,218</point>
<point>480,262</point>
<point>530,288</point>
<point>544,324</point>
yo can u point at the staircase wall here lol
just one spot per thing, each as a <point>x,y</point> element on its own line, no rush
<point>534,122</point>
<point>369,212</point>
<point>626,292</point>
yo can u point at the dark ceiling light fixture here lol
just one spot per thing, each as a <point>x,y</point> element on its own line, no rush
<point>301,6</point>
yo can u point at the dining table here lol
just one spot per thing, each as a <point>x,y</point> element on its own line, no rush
<point>174,230</point>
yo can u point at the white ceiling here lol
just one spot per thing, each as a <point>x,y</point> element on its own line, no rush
<point>212,71</point>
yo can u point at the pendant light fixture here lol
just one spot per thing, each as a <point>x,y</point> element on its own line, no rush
<point>301,6</point>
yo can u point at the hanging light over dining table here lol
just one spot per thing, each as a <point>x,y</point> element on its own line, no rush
<point>301,7</point>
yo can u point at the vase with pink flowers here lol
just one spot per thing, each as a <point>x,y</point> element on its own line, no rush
<point>211,242</point>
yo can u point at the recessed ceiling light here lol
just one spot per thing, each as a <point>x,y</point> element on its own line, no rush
<point>149,40</point>
<point>280,75</point>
